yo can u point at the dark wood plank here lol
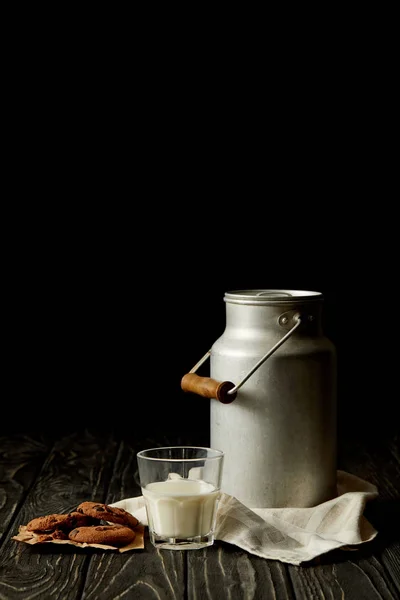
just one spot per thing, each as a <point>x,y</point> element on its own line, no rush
<point>98,466</point>
<point>77,469</point>
<point>143,574</point>
<point>359,579</point>
<point>378,461</point>
<point>21,458</point>
<point>225,571</point>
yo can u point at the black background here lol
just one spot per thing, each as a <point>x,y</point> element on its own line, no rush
<point>134,203</point>
<point>107,312</point>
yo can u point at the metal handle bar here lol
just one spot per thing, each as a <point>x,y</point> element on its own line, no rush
<point>296,318</point>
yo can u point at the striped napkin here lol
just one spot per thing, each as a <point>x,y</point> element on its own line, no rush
<point>291,535</point>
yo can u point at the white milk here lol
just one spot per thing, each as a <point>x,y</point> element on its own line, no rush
<point>180,508</point>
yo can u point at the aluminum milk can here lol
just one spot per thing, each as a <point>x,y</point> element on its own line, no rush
<point>272,391</point>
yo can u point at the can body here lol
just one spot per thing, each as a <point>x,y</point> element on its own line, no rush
<point>279,434</point>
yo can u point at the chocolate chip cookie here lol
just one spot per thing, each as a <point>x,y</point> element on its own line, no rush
<point>56,521</point>
<point>57,534</point>
<point>111,514</point>
<point>109,535</point>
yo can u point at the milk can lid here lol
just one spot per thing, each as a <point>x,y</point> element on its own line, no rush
<point>272,296</point>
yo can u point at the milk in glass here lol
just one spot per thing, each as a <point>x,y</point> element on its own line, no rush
<point>181,508</point>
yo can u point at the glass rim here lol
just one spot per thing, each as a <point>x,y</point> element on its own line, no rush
<point>218,454</point>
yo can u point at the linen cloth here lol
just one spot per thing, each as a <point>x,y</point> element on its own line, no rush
<point>291,535</point>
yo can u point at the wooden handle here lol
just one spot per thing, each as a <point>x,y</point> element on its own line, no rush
<point>208,388</point>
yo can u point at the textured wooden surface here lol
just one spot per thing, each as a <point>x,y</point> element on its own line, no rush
<point>40,474</point>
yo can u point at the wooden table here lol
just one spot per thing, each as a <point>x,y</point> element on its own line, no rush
<point>42,473</point>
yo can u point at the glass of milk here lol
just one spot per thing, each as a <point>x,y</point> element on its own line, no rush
<point>181,486</point>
